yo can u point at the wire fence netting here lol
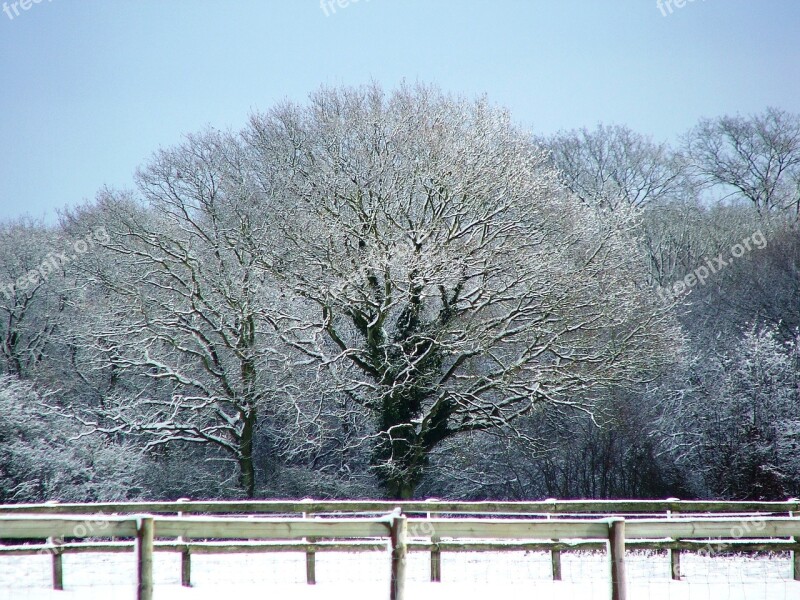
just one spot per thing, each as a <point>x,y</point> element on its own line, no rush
<point>356,575</point>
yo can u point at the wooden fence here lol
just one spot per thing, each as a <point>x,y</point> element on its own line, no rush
<point>528,527</point>
<point>543,507</point>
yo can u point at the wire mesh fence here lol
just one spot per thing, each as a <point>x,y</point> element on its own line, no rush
<point>356,575</point>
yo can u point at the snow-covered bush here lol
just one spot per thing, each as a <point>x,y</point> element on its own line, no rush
<point>41,457</point>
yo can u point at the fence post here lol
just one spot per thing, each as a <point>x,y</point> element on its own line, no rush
<point>58,566</point>
<point>186,555</point>
<point>311,556</point>
<point>436,553</point>
<point>311,564</point>
<point>555,562</point>
<point>186,568</point>
<point>795,563</point>
<point>795,554</point>
<point>675,563</point>
<point>144,558</point>
<point>674,553</point>
<point>399,526</point>
<point>555,559</point>
<point>616,554</point>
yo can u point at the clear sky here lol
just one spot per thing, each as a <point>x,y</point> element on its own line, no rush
<point>89,89</point>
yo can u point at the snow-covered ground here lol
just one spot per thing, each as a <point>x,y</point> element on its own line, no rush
<point>509,576</point>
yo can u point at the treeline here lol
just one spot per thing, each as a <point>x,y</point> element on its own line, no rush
<point>404,294</point>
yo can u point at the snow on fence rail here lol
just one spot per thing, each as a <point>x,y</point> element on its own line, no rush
<point>544,507</point>
<point>145,534</point>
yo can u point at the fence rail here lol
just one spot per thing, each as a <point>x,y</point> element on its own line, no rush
<point>145,534</point>
<point>543,507</point>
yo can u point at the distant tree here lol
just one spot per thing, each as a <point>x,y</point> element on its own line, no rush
<point>755,158</point>
<point>608,455</point>
<point>449,283</point>
<point>735,424</point>
<point>679,236</point>
<point>42,458</point>
<point>762,286</point>
<point>613,166</point>
<point>30,294</point>
<point>186,316</point>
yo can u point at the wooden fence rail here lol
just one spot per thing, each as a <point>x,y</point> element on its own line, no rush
<point>146,534</point>
<point>286,507</point>
<point>143,531</point>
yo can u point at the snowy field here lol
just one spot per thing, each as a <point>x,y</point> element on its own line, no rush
<point>509,576</point>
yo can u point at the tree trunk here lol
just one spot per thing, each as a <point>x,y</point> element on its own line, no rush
<point>400,489</point>
<point>401,464</point>
<point>248,412</point>
<point>402,455</point>
<point>406,491</point>
<point>247,475</point>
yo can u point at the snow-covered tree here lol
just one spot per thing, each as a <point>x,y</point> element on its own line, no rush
<point>450,283</point>
<point>613,166</point>
<point>186,315</point>
<point>734,424</point>
<point>755,158</point>
<point>42,456</point>
<point>31,299</point>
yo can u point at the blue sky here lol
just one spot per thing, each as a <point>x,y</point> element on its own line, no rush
<point>89,89</point>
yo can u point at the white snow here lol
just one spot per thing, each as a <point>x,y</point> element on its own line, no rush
<point>365,576</point>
